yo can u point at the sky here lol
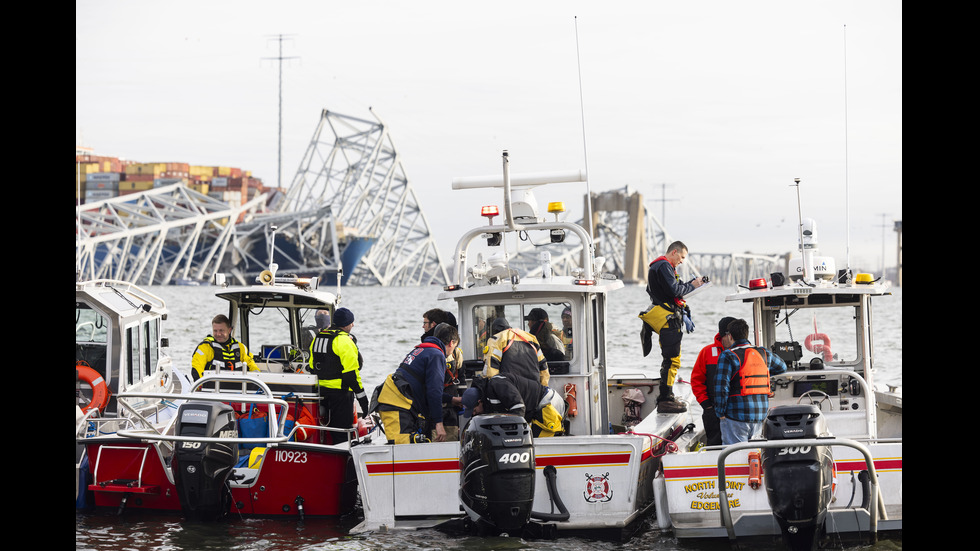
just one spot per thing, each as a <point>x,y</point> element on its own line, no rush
<point>710,109</point>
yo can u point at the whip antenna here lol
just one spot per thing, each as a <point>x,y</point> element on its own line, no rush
<point>585,148</point>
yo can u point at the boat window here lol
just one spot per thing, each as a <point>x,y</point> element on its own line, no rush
<point>91,337</point>
<point>133,358</point>
<point>90,326</point>
<point>270,327</point>
<point>829,334</point>
<point>151,351</point>
<point>554,333</point>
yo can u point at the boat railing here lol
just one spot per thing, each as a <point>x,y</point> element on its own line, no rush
<point>726,514</point>
<point>276,423</point>
<point>127,286</point>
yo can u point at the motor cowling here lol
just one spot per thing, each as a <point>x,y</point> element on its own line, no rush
<point>799,479</point>
<point>496,470</point>
<point>201,469</point>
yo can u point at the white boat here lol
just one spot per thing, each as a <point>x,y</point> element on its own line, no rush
<point>119,348</point>
<point>247,444</point>
<point>830,461</point>
<point>596,477</point>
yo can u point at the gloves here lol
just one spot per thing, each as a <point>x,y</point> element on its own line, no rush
<point>688,324</point>
<point>646,338</point>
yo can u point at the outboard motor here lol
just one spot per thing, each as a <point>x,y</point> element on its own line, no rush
<point>496,472</point>
<point>799,479</point>
<point>201,469</point>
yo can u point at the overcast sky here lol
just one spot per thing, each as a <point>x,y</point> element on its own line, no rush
<point>715,105</point>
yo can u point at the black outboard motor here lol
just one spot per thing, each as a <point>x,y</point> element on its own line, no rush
<point>201,469</point>
<point>799,479</point>
<point>496,472</point>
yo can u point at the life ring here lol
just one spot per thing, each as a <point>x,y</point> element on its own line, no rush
<point>100,390</point>
<point>822,347</point>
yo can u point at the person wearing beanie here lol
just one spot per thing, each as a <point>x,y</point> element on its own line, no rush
<point>702,381</point>
<point>514,352</point>
<point>336,361</point>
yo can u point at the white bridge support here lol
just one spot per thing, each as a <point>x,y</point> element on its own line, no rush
<point>351,165</point>
<point>156,236</point>
<point>629,237</point>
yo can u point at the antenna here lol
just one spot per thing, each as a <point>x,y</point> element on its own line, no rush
<point>280,59</point>
<point>847,193</point>
<point>799,207</point>
<point>585,148</point>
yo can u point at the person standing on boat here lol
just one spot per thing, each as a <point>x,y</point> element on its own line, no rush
<point>666,317</point>
<point>336,361</point>
<point>220,351</point>
<point>703,381</point>
<point>410,401</point>
<point>741,385</point>
<point>514,352</point>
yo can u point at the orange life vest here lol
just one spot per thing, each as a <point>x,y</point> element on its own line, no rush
<point>753,372</point>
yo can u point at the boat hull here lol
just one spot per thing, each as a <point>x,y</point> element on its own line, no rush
<point>292,480</point>
<point>690,495</point>
<point>604,482</point>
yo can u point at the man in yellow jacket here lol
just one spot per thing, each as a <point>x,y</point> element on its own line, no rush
<point>220,351</point>
<point>336,361</point>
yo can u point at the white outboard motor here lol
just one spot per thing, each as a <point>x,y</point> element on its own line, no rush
<point>496,473</point>
<point>799,479</point>
<point>201,469</point>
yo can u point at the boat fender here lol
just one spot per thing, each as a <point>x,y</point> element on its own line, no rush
<point>755,469</point>
<point>551,476</point>
<point>571,400</point>
<point>100,390</point>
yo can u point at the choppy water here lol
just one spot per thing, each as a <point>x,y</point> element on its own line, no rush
<point>388,323</point>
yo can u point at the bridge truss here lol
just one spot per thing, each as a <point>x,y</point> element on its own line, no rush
<point>352,166</point>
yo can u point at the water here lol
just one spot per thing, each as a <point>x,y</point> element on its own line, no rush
<point>388,323</point>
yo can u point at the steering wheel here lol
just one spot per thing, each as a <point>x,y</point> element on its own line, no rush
<point>289,352</point>
<point>809,393</point>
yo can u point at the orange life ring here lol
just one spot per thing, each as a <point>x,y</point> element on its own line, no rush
<point>100,390</point>
<point>823,347</point>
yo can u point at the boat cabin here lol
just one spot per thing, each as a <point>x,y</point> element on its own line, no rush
<point>118,334</point>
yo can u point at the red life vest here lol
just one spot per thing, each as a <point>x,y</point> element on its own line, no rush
<point>753,372</point>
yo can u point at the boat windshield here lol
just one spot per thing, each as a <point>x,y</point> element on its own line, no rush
<point>828,334</point>
<point>269,328</point>
<point>90,326</point>
<point>550,323</point>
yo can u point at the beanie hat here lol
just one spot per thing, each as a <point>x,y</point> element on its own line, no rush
<point>343,317</point>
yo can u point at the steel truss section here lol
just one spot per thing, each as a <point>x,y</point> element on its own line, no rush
<point>157,236</point>
<point>352,166</point>
<point>628,236</point>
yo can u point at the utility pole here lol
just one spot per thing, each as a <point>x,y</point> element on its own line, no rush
<point>663,208</point>
<point>280,59</point>
<point>883,226</point>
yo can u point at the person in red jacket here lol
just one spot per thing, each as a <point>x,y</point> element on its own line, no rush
<point>701,381</point>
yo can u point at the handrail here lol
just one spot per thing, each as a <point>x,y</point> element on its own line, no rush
<point>726,515</point>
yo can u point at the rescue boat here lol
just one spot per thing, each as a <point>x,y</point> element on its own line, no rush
<point>829,463</point>
<point>246,444</point>
<point>498,479</point>
<point>119,348</point>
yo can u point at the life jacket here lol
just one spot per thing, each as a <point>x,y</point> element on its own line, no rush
<point>327,365</point>
<point>753,372</point>
<point>229,358</point>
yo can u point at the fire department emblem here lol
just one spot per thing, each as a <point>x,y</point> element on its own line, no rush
<point>597,488</point>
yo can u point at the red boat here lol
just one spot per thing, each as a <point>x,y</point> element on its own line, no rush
<point>244,444</point>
